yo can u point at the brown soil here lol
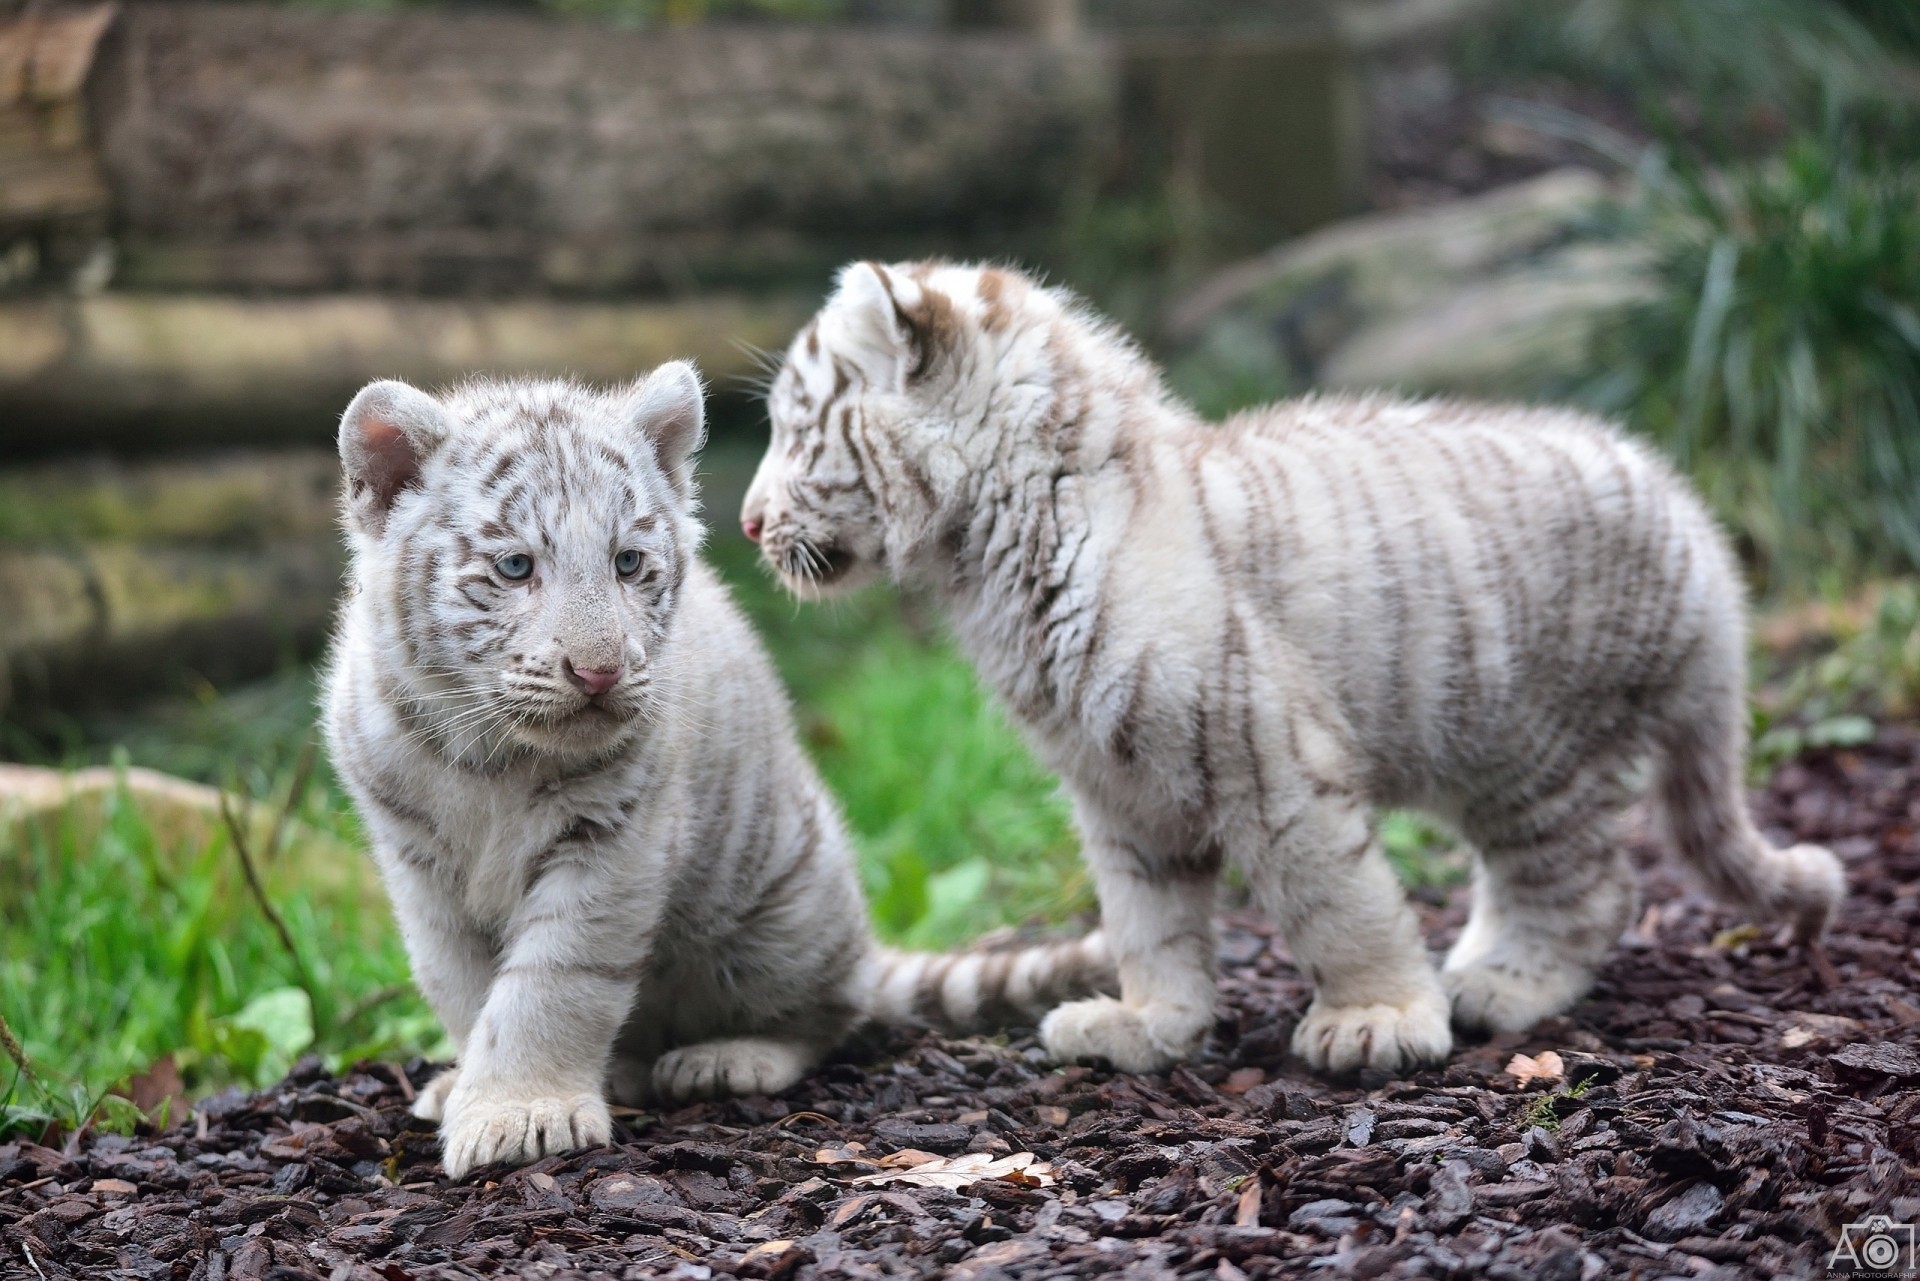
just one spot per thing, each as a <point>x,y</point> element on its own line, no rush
<point>1727,1104</point>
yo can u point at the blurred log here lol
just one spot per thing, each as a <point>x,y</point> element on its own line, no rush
<point>123,578</point>
<point>1482,296</point>
<point>92,625</point>
<point>236,501</point>
<point>147,371</point>
<point>53,202</point>
<point>289,149</point>
<point>1054,19</point>
<point>43,805</point>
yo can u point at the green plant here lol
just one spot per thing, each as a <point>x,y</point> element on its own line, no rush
<point>1779,360</point>
<point>1868,669</point>
<point>1734,59</point>
<point>116,950</point>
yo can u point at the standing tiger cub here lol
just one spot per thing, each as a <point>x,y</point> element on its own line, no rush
<point>613,865</point>
<point>1236,642</point>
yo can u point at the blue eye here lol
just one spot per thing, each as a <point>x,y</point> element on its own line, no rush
<point>515,567</point>
<point>627,563</point>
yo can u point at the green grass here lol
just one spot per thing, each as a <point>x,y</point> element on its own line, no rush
<point>1779,361</point>
<point>116,950</point>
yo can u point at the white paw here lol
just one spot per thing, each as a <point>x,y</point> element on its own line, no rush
<point>431,1103</point>
<point>1339,1039</point>
<point>714,1069</point>
<point>1132,1038</point>
<point>481,1129</point>
<point>1495,998</point>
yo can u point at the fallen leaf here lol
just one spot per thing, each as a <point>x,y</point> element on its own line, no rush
<point>160,1086</point>
<point>1546,1066</point>
<point>969,1168</point>
<point>1736,936</point>
<point>1795,1037</point>
<point>1247,1213</point>
<point>1243,1080</point>
<point>907,1159</point>
<point>115,1187</point>
<point>1055,1117</point>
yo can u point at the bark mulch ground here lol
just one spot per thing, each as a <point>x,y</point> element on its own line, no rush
<point>1724,1106</point>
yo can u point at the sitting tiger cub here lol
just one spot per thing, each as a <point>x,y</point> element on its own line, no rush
<point>1237,641</point>
<point>615,869</point>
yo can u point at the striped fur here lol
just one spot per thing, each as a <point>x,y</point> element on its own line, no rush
<point>643,890</point>
<point>1236,642</point>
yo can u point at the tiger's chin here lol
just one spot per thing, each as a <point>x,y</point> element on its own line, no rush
<point>592,727</point>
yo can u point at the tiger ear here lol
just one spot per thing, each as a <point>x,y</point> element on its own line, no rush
<point>894,324</point>
<point>386,435</point>
<point>669,407</point>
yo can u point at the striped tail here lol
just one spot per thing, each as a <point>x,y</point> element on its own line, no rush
<point>988,988</point>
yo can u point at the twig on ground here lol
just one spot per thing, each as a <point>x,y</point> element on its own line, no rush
<point>241,848</point>
<point>372,1001</point>
<point>26,1187</point>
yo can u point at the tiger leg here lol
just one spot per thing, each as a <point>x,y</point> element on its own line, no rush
<point>1157,914</point>
<point>1552,891</point>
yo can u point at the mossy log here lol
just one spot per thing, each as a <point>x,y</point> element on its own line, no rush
<point>237,501</point>
<point>162,371</point>
<point>88,626</point>
<point>290,149</point>
<point>122,578</point>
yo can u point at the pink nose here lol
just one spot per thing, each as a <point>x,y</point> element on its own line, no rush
<point>594,680</point>
<point>751,528</point>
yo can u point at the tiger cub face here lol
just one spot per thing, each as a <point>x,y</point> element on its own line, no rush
<point>523,546</point>
<point>880,416</point>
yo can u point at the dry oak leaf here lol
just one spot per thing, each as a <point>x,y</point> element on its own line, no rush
<point>1545,1066</point>
<point>954,1173</point>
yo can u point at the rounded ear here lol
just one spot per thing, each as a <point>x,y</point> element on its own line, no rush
<point>387,433</point>
<point>892,323</point>
<point>669,407</point>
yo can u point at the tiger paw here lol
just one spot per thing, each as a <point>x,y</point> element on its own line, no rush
<point>1501,998</point>
<point>431,1103</point>
<point>716,1069</point>
<point>482,1128</point>
<point>1132,1038</point>
<point>1341,1039</point>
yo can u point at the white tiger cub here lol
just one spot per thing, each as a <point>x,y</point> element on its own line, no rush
<point>1235,642</point>
<point>613,865</point>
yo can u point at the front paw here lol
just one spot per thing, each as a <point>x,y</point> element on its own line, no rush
<point>482,1127</point>
<point>1341,1039</point>
<point>1132,1038</point>
<point>715,1069</point>
<point>431,1103</point>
